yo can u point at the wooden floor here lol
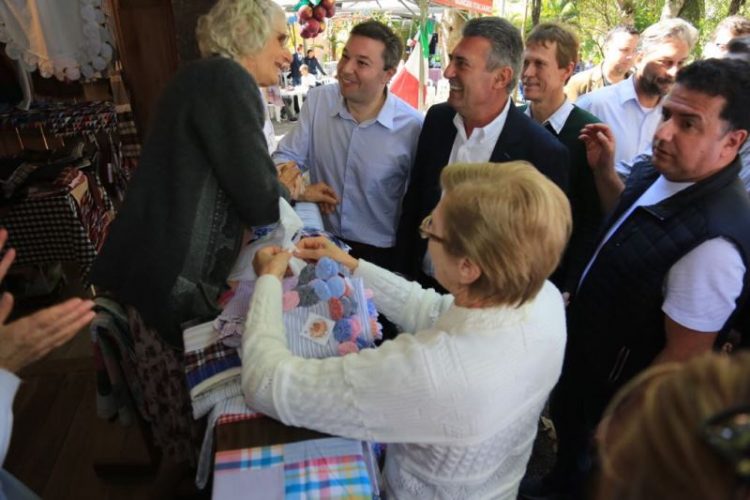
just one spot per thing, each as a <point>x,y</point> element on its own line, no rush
<point>57,435</point>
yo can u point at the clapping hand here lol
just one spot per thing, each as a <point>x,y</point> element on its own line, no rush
<point>31,337</point>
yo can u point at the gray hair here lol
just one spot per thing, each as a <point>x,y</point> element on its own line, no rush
<point>236,28</point>
<point>737,26</point>
<point>622,28</point>
<point>506,42</point>
<point>666,30</point>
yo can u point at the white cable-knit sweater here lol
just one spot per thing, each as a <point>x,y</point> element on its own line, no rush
<point>458,401</point>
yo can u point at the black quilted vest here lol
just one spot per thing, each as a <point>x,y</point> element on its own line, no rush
<point>615,322</point>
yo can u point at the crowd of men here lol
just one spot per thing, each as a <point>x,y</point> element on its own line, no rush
<point>650,149</point>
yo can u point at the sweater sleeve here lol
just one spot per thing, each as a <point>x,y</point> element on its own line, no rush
<point>359,396</point>
<point>8,386</point>
<point>230,127</point>
<point>406,303</point>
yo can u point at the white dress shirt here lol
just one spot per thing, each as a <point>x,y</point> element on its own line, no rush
<point>632,124</point>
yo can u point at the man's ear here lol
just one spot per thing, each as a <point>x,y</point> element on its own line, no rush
<point>503,76</point>
<point>389,74</point>
<point>569,71</point>
<point>735,140</point>
<point>468,271</point>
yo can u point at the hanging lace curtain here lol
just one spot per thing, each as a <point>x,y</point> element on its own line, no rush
<point>64,38</point>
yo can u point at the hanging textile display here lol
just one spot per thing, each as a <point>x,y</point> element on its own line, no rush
<point>64,38</point>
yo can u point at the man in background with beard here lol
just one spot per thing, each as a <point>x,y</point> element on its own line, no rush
<point>632,108</point>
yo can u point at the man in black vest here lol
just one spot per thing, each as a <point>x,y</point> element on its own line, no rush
<point>548,61</point>
<point>479,123</point>
<point>670,268</point>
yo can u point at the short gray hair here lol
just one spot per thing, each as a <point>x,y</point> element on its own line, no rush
<point>737,26</point>
<point>666,30</point>
<point>506,42</point>
<point>236,28</point>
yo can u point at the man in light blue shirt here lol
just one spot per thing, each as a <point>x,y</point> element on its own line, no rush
<point>360,140</point>
<point>632,108</point>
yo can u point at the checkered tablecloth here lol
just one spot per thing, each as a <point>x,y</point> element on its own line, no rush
<point>58,227</point>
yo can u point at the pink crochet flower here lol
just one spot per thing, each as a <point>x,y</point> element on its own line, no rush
<point>290,300</point>
<point>336,308</point>
<point>369,293</point>
<point>347,348</point>
<point>356,326</point>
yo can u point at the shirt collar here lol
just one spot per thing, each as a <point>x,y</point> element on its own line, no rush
<point>626,90</point>
<point>385,117</point>
<point>489,131</point>
<point>558,118</point>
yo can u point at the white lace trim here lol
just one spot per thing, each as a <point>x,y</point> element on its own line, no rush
<point>88,39</point>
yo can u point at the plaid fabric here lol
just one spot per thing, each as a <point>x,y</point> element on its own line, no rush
<point>334,477</point>
<point>203,364</point>
<point>64,119</point>
<point>319,468</point>
<point>252,458</point>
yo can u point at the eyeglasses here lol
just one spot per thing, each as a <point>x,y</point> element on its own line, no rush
<point>425,233</point>
<point>728,433</point>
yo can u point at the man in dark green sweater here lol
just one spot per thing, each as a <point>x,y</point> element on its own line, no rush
<point>549,59</point>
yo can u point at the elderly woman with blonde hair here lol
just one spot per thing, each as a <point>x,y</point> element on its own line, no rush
<point>679,431</point>
<point>204,177</point>
<point>457,401</point>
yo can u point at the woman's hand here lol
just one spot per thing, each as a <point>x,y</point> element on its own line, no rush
<point>319,246</point>
<point>322,194</point>
<point>291,177</point>
<point>272,260</point>
<point>32,337</point>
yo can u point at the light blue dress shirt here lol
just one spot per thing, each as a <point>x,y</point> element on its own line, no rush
<point>367,164</point>
<point>633,125</point>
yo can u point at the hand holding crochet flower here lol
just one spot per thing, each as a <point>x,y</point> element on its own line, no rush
<point>318,247</point>
<point>272,260</point>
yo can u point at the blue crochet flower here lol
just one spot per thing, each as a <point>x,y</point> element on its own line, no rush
<point>342,330</point>
<point>321,289</point>
<point>337,286</point>
<point>372,311</point>
<point>326,268</point>
<point>362,343</point>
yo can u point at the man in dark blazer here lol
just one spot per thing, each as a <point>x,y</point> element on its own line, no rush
<point>479,123</point>
<point>549,59</point>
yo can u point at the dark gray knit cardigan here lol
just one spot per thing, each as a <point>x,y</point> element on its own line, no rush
<point>204,174</point>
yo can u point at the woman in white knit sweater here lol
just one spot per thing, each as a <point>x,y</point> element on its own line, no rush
<point>457,401</point>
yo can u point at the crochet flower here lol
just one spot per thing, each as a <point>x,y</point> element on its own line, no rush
<point>362,343</point>
<point>290,300</point>
<point>307,296</point>
<point>336,285</point>
<point>307,274</point>
<point>347,348</point>
<point>326,268</point>
<point>321,289</point>
<point>336,309</point>
<point>369,293</point>
<point>356,325</point>
<point>376,329</point>
<point>372,311</point>
<point>348,307</point>
<point>342,331</point>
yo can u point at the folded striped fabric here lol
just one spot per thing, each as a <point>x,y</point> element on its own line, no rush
<point>321,468</point>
